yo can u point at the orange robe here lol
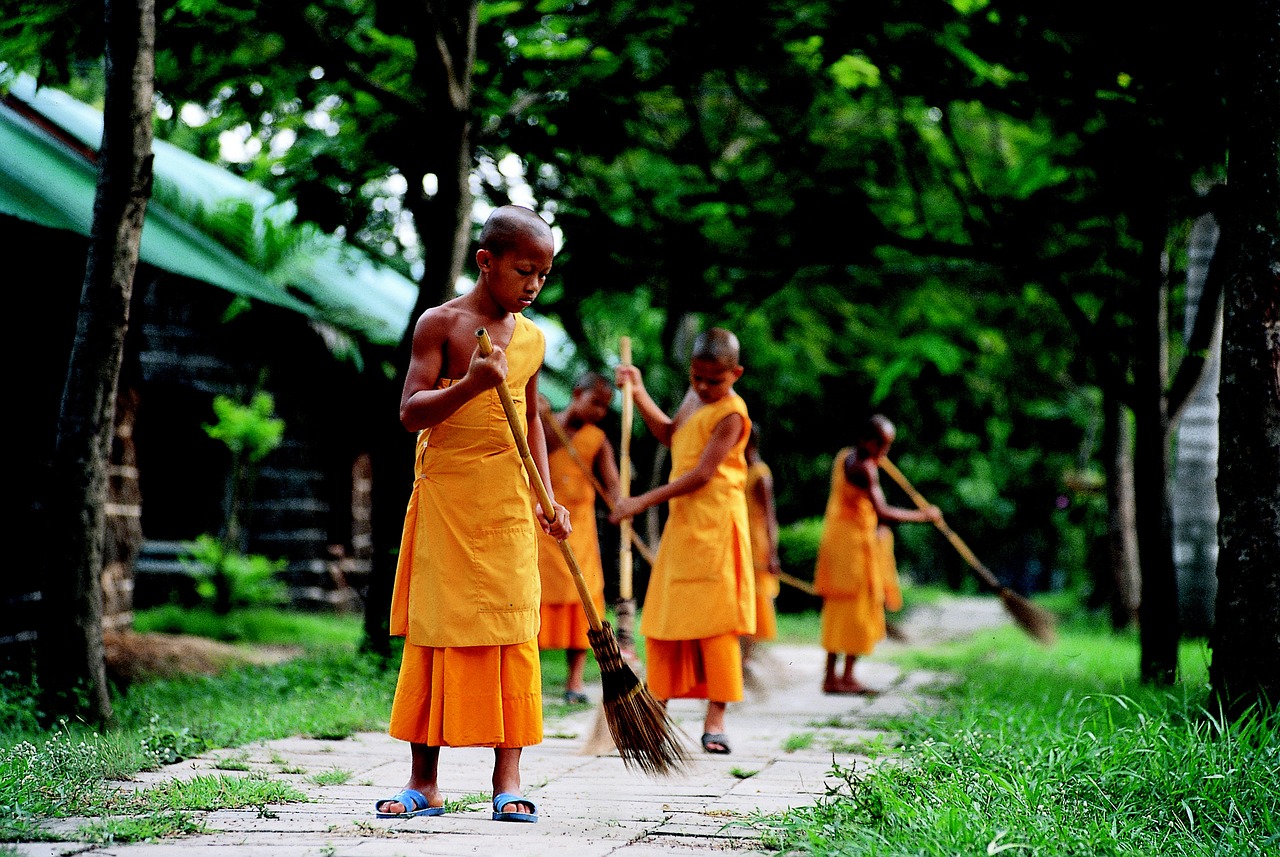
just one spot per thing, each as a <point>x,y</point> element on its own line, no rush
<point>467,586</point>
<point>766,583</point>
<point>701,593</point>
<point>564,622</point>
<point>851,571</point>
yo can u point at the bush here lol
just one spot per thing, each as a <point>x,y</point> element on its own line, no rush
<point>232,578</point>
<point>798,546</point>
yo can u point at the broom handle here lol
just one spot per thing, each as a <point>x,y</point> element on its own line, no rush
<point>640,544</point>
<point>889,467</point>
<point>802,585</point>
<point>624,478</point>
<point>548,508</point>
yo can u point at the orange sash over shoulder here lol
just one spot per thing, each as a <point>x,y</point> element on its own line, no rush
<point>468,568</point>
<point>702,584</point>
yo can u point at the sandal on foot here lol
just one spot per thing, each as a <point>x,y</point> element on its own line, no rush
<point>710,738</point>
<point>415,803</point>
<point>575,697</point>
<point>504,800</point>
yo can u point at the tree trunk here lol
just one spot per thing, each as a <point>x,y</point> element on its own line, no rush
<point>447,34</point>
<point>1117,460</point>
<point>71,665</point>
<point>443,219</point>
<point>1246,634</point>
<point>1195,501</point>
<point>1158,613</point>
<point>123,518</point>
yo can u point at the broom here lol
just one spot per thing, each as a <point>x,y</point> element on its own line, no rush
<point>625,609</point>
<point>1036,621</point>
<point>598,740</point>
<point>644,733</point>
<point>636,539</point>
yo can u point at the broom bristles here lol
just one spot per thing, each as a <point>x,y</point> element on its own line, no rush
<point>645,735</point>
<point>1035,620</point>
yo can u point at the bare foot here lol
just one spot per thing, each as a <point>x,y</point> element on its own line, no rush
<point>431,793</point>
<point>515,806</point>
<point>851,688</point>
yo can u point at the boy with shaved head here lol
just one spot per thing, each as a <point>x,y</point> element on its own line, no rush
<point>576,470</point>
<point>855,574</point>
<point>701,594</point>
<point>467,585</point>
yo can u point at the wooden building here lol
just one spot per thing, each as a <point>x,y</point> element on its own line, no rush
<point>203,322</point>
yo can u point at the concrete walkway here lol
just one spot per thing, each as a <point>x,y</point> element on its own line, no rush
<point>784,738</point>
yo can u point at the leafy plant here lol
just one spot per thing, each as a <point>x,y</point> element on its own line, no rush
<point>250,432</point>
<point>228,579</point>
<point>164,745</point>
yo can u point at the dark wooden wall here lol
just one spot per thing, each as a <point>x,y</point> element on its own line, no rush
<point>168,478</point>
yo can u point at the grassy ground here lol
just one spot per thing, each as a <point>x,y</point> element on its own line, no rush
<point>1055,752</point>
<point>1036,751</point>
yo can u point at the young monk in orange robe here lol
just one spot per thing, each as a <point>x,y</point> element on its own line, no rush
<point>701,594</point>
<point>467,587</point>
<point>855,574</point>
<point>564,622</point>
<point>763,520</point>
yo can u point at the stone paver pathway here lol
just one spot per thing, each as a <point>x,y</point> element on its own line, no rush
<point>784,738</point>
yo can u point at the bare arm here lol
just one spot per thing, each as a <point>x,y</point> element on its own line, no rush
<point>726,434</point>
<point>537,440</point>
<point>606,468</point>
<point>764,494</point>
<point>660,425</point>
<point>421,404</point>
<point>865,472</point>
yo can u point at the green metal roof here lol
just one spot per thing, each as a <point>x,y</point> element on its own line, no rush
<point>46,178</point>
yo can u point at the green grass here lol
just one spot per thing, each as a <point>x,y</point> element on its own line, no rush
<point>799,741</point>
<point>330,692</point>
<point>1054,752</point>
<point>143,828</point>
<point>1046,751</point>
<point>262,625</point>
<point>334,777</point>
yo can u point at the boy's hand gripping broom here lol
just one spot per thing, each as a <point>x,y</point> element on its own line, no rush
<point>1036,621</point>
<point>645,735</point>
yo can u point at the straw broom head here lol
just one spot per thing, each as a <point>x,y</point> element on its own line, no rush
<point>1033,619</point>
<point>1036,621</point>
<point>644,733</point>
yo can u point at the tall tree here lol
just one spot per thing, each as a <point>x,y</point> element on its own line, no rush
<point>371,94</point>
<point>1246,634</point>
<point>70,650</point>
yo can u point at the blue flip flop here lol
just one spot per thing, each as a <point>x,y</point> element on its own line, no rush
<point>415,803</point>
<point>506,799</point>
